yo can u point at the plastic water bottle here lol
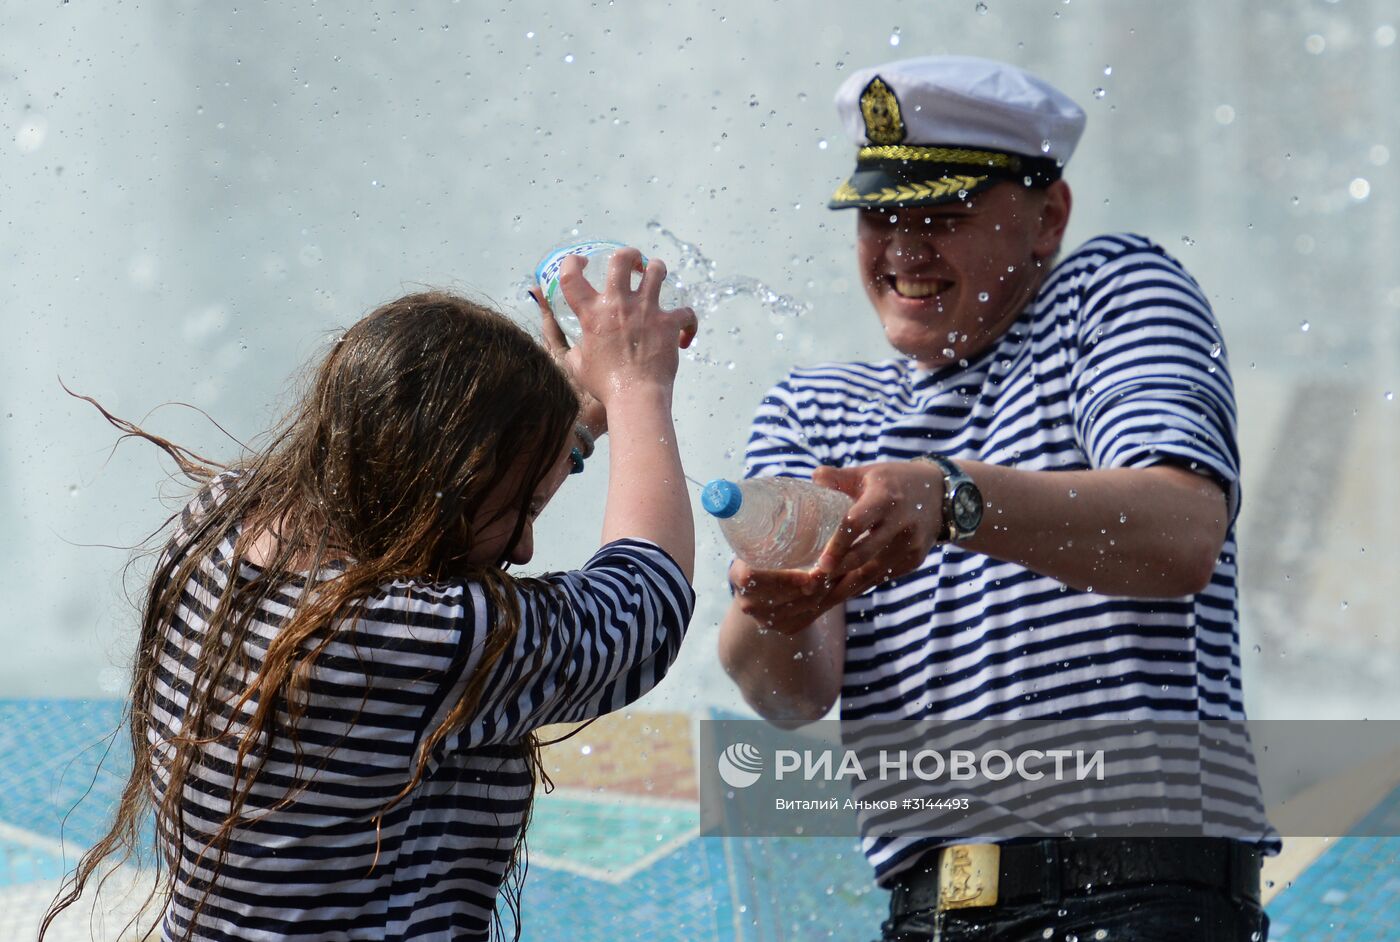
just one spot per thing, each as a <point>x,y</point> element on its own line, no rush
<point>776,523</point>
<point>599,253</point>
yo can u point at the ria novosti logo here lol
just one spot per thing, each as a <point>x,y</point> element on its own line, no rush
<point>740,765</point>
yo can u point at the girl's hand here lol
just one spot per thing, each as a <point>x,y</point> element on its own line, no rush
<point>590,411</point>
<point>627,339</point>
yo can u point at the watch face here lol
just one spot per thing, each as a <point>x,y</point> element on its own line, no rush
<point>967,508</point>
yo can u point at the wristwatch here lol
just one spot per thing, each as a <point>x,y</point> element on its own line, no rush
<point>962,502</point>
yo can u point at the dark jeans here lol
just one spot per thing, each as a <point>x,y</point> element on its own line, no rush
<point>1160,913</point>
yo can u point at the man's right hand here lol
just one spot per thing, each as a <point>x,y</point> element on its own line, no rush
<point>782,600</point>
<point>783,641</point>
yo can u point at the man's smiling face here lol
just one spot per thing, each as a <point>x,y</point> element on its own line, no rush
<point>947,280</point>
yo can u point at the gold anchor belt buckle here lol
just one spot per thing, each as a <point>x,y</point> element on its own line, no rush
<point>968,875</point>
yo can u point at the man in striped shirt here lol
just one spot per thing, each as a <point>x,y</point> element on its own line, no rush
<point>1045,483</point>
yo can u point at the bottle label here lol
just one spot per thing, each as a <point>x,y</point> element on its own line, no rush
<point>547,274</point>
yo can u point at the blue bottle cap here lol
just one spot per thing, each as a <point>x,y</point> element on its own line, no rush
<point>721,498</point>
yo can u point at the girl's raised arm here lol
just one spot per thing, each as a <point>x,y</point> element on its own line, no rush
<point>627,359</point>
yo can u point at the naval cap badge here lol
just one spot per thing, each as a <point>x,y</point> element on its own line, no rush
<point>880,108</point>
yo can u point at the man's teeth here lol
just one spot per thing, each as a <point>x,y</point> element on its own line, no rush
<point>917,289</point>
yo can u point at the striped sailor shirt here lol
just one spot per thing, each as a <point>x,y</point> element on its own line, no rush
<point>314,864</point>
<point>1117,363</point>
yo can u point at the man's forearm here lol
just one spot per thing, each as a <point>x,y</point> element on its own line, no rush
<point>786,677</point>
<point>1142,532</point>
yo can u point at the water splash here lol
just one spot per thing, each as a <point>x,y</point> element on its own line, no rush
<point>693,281</point>
<point>698,285</point>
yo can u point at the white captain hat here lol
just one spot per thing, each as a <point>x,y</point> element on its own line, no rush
<point>937,128</point>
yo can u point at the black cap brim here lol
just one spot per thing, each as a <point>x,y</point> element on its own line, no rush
<point>921,182</point>
<point>872,187</point>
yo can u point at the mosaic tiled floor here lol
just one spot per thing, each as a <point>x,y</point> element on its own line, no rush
<point>614,850</point>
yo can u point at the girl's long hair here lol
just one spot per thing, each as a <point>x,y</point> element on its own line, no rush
<point>415,414</point>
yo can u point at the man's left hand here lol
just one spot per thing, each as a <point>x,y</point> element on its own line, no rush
<point>895,521</point>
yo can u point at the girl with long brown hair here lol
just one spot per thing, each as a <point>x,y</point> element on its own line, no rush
<point>337,684</point>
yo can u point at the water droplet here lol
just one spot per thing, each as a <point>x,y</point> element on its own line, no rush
<point>949,352</point>
<point>1187,240</point>
<point>821,145</point>
<point>1045,146</point>
<point>894,37</point>
<point>1344,605</point>
<point>1101,934</point>
<point>1257,649</point>
<point>1100,92</point>
<point>1315,44</point>
<point>1048,934</point>
<point>1073,493</point>
<point>1305,327</point>
<point>586,750</point>
<point>1122,518</point>
<point>981,9</point>
<point>72,490</point>
<point>1108,70</point>
<point>1360,188</point>
<point>983,297</point>
<point>569,57</point>
<point>1389,396</point>
<point>1215,351</point>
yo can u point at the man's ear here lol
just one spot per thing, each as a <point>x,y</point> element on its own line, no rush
<point>1054,218</point>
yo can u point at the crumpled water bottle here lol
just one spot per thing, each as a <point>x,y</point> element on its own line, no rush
<point>598,253</point>
<point>776,523</point>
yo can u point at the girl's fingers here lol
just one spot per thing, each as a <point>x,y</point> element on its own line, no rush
<point>578,293</point>
<point>625,262</point>
<point>652,277</point>
<point>554,338</point>
<point>689,324</point>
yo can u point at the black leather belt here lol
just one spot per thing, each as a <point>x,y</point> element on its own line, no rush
<point>972,875</point>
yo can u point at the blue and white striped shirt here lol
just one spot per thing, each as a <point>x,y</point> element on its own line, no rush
<point>308,869</point>
<point>1117,363</point>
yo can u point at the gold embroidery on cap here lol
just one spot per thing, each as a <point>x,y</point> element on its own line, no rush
<point>879,106</point>
<point>905,192</point>
<point>944,155</point>
<point>845,193</point>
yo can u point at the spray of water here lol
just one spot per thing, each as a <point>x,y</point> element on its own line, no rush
<point>699,284</point>
<point>695,282</point>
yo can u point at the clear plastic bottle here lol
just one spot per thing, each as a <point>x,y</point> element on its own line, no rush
<point>775,523</point>
<point>598,253</point>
